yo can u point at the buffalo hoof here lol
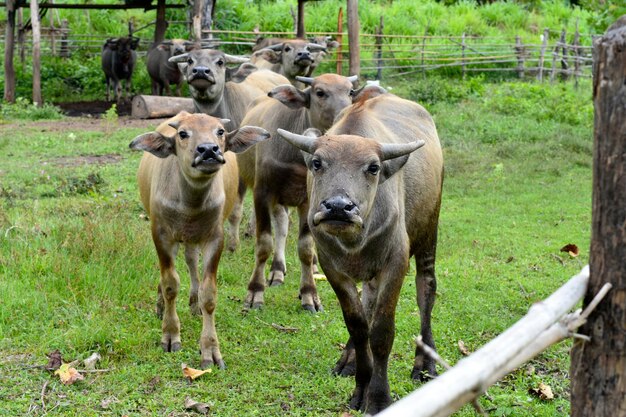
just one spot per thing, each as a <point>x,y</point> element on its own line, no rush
<point>254,300</point>
<point>205,364</point>
<point>422,375</point>
<point>232,245</point>
<point>311,303</point>
<point>170,347</point>
<point>276,278</point>
<point>357,400</point>
<point>423,368</point>
<point>346,365</point>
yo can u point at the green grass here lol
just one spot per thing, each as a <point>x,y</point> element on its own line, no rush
<point>78,270</point>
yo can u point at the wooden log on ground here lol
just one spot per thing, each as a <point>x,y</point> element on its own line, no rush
<point>154,107</point>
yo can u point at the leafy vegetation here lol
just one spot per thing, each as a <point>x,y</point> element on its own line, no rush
<point>78,270</point>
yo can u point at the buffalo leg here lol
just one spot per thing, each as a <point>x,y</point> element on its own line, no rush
<point>280,221</point>
<point>191,258</point>
<point>308,291</point>
<point>169,287</point>
<point>263,249</point>
<point>207,297</point>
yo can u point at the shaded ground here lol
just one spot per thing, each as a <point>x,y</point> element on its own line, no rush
<point>94,108</point>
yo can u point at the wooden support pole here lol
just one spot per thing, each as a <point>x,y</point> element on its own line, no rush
<point>339,68</point>
<point>353,37</point>
<point>34,20</point>
<point>196,19</point>
<point>598,367</point>
<point>424,49</point>
<point>564,57</point>
<point>64,50</point>
<point>21,35</point>
<point>300,21</point>
<point>9,46</point>
<point>576,48</point>
<point>544,44</point>
<point>519,52</point>
<point>161,23</point>
<point>379,49</point>
<point>463,55</point>
<point>555,54</point>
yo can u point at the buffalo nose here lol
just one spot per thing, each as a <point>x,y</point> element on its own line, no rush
<point>303,54</point>
<point>200,71</point>
<point>209,151</point>
<point>340,204</point>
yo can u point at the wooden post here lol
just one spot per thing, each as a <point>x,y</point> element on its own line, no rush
<point>9,46</point>
<point>424,50</point>
<point>300,20</point>
<point>544,44</point>
<point>64,50</point>
<point>519,51</point>
<point>53,33</point>
<point>198,7</point>
<point>564,62</point>
<point>161,23</point>
<point>463,55</point>
<point>353,38</point>
<point>576,48</point>
<point>555,54</point>
<point>339,69</point>
<point>34,20</point>
<point>379,49</point>
<point>598,367</point>
<point>21,35</point>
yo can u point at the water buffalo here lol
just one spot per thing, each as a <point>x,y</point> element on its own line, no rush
<point>375,181</point>
<point>118,62</point>
<point>165,74</point>
<point>225,92</point>
<point>277,172</point>
<point>291,58</point>
<point>188,184</point>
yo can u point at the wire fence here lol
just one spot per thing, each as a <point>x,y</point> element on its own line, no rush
<point>548,56</point>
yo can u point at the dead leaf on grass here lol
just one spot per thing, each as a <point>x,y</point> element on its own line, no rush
<point>463,349</point>
<point>544,392</point>
<point>191,373</point>
<point>68,375</point>
<point>54,360</point>
<point>571,249</point>
<point>201,408</point>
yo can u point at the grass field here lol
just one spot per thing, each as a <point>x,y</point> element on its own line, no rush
<point>78,270</point>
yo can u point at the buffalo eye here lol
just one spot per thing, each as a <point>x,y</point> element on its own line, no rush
<point>183,134</point>
<point>320,93</point>
<point>287,49</point>
<point>316,164</point>
<point>220,63</point>
<point>190,61</point>
<point>373,169</point>
<point>220,132</point>
<point>352,93</point>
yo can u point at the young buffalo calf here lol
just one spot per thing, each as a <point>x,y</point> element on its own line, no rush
<point>188,185</point>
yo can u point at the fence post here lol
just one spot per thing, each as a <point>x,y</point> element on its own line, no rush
<point>379,49</point>
<point>34,20</point>
<point>463,54</point>
<point>598,367</point>
<point>339,69</point>
<point>519,51</point>
<point>564,63</point>
<point>353,37</point>
<point>544,43</point>
<point>21,35</point>
<point>576,48</point>
<point>423,50</point>
<point>555,54</point>
<point>64,50</point>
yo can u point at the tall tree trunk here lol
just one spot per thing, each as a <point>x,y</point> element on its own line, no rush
<point>34,20</point>
<point>300,23</point>
<point>161,23</point>
<point>598,368</point>
<point>9,47</point>
<point>353,37</point>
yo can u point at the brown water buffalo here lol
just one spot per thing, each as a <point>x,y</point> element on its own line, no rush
<point>291,58</point>
<point>188,184</point>
<point>118,62</point>
<point>375,181</point>
<point>279,176</point>
<point>225,92</point>
<point>165,74</point>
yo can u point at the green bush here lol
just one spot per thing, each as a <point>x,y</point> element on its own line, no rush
<point>23,109</point>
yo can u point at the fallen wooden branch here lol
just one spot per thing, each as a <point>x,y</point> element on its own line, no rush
<point>153,107</point>
<point>543,326</point>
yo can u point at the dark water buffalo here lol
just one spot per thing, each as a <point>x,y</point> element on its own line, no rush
<point>374,195</point>
<point>278,176</point>
<point>118,62</point>
<point>165,74</point>
<point>188,184</point>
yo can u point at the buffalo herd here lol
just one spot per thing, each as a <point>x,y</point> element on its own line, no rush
<point>362,167</point>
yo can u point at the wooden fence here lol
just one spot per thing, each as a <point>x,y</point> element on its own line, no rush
<point>547,56</point>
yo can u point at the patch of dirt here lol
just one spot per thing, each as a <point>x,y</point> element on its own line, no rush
<point>87,160</point>
<point>93,108</point>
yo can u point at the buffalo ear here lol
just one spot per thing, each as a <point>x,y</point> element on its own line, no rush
<point>391,166</point>
<point>269,55</point>
<point>291,97</point>
<point>155,143</point>
<point>240,73</point>
<point>243,138</point>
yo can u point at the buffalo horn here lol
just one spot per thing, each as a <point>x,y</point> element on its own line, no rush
<point>305,80</point>
<point>395,150</point>
<point>305,143</point>
<point>179,58</point>
<point>233,59</point>
<point>275,47</point>
<point>315,47</point>
<point>353,78</point>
